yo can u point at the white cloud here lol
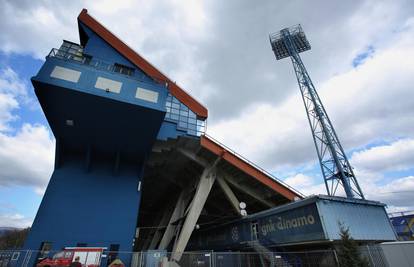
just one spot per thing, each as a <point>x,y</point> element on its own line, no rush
<point>14,220</point>
<point>27,157</point>
<point>11,88</point>
<point>373,164</point>
<point>397,193</point>
<point>370,167</point>
<point>7,104</point>
<point>371,102</point>
<point>34,27</point>
<point>10,83</point>
<point>306,184</point>
<point>299,180</point>
<point>26,153</point>
<point>368,104</point>
<point>165,32</point>
<point>396,156</point>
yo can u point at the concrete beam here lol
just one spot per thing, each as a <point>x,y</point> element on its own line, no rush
<point>159,230</point>
<point>193,156</point>
<point>178,212</point>
<point>228,178</point>
<point>161,146</point>
<point>235,203</point>
<point>203,190</point>
<point>248,191</point>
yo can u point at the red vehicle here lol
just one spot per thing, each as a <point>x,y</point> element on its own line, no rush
<point>88,257</point>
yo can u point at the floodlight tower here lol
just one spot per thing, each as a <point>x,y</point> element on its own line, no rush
<point>335,166</point>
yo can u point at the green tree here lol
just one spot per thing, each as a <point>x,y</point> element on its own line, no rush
<point>13,239</point>
<point>348,254</point>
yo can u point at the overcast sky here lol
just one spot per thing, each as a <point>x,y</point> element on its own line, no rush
<point>361,63</point>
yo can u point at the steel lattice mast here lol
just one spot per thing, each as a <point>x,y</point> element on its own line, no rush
<point>335,166</point>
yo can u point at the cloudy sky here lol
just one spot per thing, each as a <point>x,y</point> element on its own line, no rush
<point>361,62</point>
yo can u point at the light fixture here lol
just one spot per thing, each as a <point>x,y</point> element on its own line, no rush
<point>242,205</point>
<point>70,123</point>
<point>243,211</point>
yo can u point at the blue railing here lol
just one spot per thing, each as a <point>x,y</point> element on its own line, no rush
<point>86,60</point>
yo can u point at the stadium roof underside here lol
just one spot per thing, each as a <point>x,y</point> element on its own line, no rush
<point>176,165</point>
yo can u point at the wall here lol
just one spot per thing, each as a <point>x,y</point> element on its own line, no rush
<point>365,221</point>
<point>97,47</point>
<point>399,253</point>
<point>88,79</point>
<point>96,207</point>
<point>274,227</point>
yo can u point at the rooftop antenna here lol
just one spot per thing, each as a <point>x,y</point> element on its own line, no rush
<point>336,170</point>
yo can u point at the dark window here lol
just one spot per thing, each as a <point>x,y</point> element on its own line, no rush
<point>71,48</point>
<point>87,59</point>
<point>254,230</point>
<point>123,69</point>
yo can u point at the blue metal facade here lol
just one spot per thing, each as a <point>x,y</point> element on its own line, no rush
<point>312,220</point>
<point>103,137</point>
<point>99,49</point>
<point>366,220</point>
<point>95,208</point>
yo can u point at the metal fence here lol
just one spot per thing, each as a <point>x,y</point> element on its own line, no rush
<point>241,259</point>
<point>374,255</point>
<point>24,258</point>
<point>316,258</point>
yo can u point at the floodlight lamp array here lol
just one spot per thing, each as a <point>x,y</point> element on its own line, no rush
<point>297,38</point>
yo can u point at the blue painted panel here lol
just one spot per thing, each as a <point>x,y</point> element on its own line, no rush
<point>97,47</point>
<point>296,225</point>
<point>103,123</point>
<point>275,227</point>
<point>169,130</point>
<point>311,219</point>
<point>89,77</point>
<point>96,207</point>
<point>365,222</point>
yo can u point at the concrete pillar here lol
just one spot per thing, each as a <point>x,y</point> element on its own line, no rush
<point>158,232</point>
<point>178,212</point>
<point>235,203</point>
<point>203,189</point>
<point>250,191</point>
